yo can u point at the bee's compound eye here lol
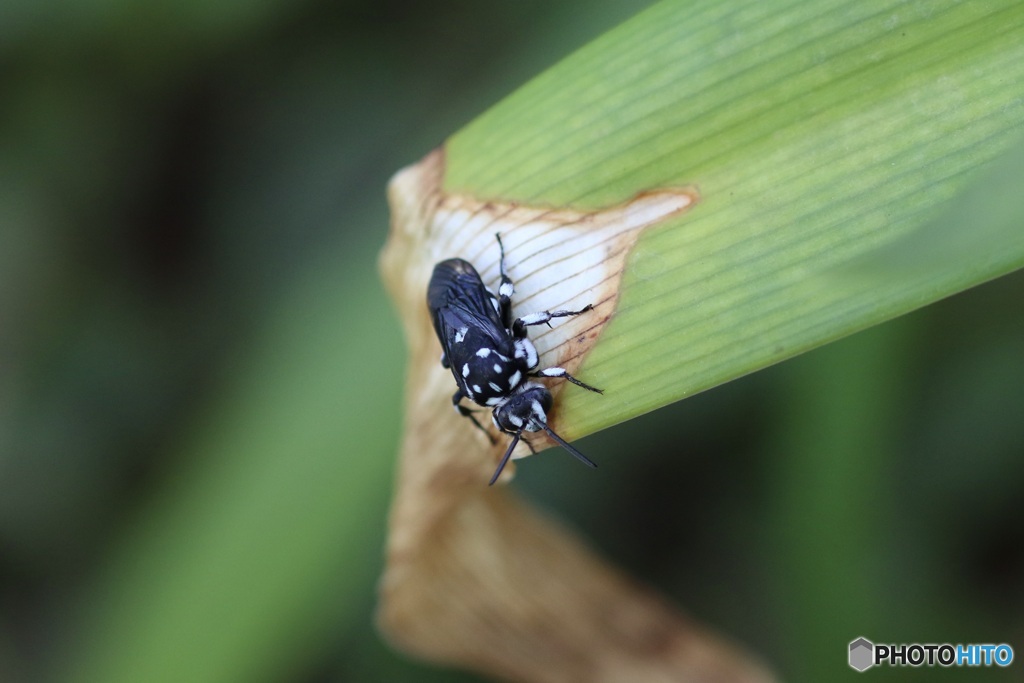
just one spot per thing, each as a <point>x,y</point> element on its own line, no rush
<point>509,418</point>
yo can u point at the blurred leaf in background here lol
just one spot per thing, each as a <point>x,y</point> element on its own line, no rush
<point>200,377</point>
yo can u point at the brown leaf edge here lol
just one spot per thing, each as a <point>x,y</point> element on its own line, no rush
<point>474,577</point>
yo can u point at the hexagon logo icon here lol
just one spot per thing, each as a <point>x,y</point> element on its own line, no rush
<point>862,654</point>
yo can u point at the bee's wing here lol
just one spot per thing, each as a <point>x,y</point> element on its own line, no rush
<point>458,300</point>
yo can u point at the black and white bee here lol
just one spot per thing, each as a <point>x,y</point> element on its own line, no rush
<point>490,355</point>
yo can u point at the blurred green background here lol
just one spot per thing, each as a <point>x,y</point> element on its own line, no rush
<point>201,378</point>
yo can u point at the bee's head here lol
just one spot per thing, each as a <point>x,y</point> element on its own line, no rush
<point>524,411</point>
<point>527,411</point>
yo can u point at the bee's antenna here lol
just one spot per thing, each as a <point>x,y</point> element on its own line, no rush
<point>566,445</point>
<point>504,458</point>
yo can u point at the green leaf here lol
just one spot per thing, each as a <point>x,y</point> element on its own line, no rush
<point>831,143</point>
<point>246,562</point>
